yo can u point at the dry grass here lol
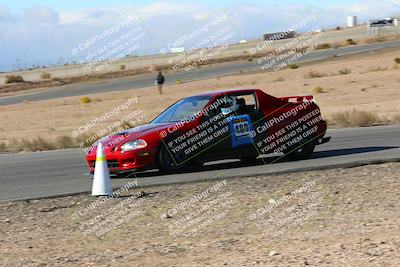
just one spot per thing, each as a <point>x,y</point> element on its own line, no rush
<point>375,40</point>
<point>22,85</point>
<point>395,118</point>
<point>86,100</point>
<point>324,46</point>
<point>41,144</point>
<point>377,69</point>
<point>14,79</point>
<point>60,142</point>
<point>350,42</point>
<point>3,147</point>
<point>45,75</point>
<point>318,90</point>
<point>356,118</point>
<point>344,71</point>
<point>293,66</point>
<point>314,74</point>
<point>122,67</point>
<point>37,144</point>
<point>66,141</point>
<point>279,79</point>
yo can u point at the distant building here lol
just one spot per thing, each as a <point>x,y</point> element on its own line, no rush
<point>382,26</point>
<point>351,21</point>
<point>177,49</point>
<point>279,35</point>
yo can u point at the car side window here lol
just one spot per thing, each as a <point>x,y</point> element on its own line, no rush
<point>249,101</point>
<point>215,107</point>
<point>236,104</point>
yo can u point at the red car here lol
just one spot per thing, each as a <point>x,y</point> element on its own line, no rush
<point>233,124</point>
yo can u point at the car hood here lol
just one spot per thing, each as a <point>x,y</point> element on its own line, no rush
<point>119,138</point>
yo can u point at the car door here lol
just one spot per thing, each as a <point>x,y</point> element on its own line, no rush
<point>238,119</point>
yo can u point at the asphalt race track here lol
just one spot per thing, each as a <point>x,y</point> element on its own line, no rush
<point>52,173</point>
<point>216,70</point>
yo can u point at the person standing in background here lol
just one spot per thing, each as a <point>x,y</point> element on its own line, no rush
<point>160,79</point>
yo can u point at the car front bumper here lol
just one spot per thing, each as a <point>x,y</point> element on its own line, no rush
<point>119,162</point>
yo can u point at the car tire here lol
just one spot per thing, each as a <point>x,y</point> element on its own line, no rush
<point>300,152</point>
<point>248,160</point>
<point>196,164</point>
<point>124,175</point>
<point>166,162</point>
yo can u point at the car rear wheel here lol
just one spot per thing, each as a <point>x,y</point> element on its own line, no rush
<point>302,151</point>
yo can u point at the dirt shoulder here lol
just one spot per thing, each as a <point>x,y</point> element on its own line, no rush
<point>342,217</point>
<point>77,73</point>
<point>368,82</point>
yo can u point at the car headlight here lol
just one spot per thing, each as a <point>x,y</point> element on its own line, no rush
<point>133,145</point>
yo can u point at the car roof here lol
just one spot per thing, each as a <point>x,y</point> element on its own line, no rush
<point>230,91</point>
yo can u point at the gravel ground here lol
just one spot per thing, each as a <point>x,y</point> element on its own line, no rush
<point>341,217</point>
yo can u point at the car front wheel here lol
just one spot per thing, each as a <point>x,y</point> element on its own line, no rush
<point>169,162</point>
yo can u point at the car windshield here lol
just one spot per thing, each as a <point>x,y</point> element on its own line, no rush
<point>182,109</point>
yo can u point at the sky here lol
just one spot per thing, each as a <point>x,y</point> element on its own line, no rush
<point>44,32</point>
<point>18,6</point>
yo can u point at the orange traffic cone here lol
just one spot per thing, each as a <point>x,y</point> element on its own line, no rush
<point>101,181</point>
